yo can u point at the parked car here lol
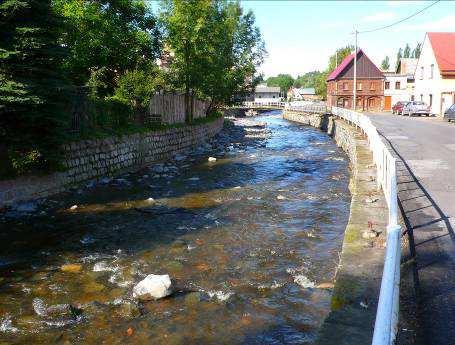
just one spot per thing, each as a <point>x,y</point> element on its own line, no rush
<point>449,114</point>
<point>398,107</point>
<point>416,108</point>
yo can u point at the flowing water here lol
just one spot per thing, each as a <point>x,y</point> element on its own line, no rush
<point>248,240</point>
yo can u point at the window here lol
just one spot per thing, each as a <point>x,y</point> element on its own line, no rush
<point>431,71</point>
<point>397,85</point>
<point>336,86</point>
<point>360,86</point>
<point>421,72</point>
<point>431,100</point>
<point>372,86</point>
<point>387,85</point>
<point>421,98</point>
<point>345,86</point>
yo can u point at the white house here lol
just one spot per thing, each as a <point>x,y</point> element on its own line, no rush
<point>395,89</point>
<point>435,72</point>
<point>266,94</point>
<point>399,85</point>
<point>302,94</point>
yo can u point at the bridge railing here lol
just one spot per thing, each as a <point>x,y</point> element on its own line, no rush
<point>277,104</point>
<point>307,108</point>
<point>386,325</point>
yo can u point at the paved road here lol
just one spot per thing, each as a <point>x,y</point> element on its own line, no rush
<point>425,148</point>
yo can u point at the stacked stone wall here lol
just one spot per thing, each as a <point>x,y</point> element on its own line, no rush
<point>91,159</point>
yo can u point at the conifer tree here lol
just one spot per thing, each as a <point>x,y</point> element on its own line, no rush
<point>32,89</point>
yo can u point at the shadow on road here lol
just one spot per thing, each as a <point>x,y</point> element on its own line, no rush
<point>427,293</point>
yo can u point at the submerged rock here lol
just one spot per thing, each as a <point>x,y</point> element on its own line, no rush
<point>303,281</point>
<point>71,268</point>
<point>212,159</point>
<point>26,207</point>
<point>153,287</point>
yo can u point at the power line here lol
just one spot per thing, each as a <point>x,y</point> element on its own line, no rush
<point>401,20</point>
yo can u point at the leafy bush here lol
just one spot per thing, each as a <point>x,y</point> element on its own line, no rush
<point>138,86</point>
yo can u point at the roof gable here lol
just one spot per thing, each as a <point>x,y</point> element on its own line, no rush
<point>336,72</point>
<point>366,69</point>
<point>443,45</point>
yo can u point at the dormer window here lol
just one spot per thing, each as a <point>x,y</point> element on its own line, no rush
<point>431,71</point>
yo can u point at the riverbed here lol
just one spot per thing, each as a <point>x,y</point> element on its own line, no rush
<point>250,240</point>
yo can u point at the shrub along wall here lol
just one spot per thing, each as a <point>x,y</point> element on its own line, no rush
<point>89,159</point>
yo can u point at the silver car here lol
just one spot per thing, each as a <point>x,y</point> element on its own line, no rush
<point>416,108</point>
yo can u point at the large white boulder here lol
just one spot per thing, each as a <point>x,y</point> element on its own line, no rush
<point>153,287</point>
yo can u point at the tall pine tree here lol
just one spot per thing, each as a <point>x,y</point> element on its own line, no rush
<point>32,89</point>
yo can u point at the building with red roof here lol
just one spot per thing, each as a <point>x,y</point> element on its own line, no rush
<point>370,85</point>
<point>435,72</point>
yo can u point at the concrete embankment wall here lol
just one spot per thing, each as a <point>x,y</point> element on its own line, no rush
<point>91,159</point>
<point>358,277</point>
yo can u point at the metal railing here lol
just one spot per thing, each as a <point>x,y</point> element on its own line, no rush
<point>307,108</point>
<point>386,325</point>
<point>277,104</point>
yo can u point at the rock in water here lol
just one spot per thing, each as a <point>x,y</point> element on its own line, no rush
<point>212,159</point>
<point>153,287</point>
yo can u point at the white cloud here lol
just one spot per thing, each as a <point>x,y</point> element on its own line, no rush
<point>380,17</point>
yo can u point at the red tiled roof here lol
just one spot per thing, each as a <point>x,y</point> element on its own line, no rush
<point>443,44</point>
<point>336,72</point>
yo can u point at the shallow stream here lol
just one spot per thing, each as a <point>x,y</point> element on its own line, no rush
<point>251,242</point>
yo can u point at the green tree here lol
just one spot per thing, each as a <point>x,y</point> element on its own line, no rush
<point>399,57</point>
<point>385,64</point>
<point>308,79</point>
<point>417,50</point>
<point>32,88</point>
<point>407,51</point>
<point>105,38</point>
<point>334,61</point>
<point>187,26</point>
<point>136,87</point>
<point>237,52</point>
<point>284,81</point>
<point>216,49</point>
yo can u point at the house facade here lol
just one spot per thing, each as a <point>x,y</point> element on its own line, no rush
<point>266,94</point>
<point>396,89</point>
<point>399,85</point>
<point>302,94</point>
<point>435,72</point>
<point>370,84</point>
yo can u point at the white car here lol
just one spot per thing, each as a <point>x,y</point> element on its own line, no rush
<point>416,108</point>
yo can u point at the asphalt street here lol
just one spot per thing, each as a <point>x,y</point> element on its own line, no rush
<point>425,151</point>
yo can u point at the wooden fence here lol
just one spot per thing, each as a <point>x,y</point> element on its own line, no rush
<point>169,108</point>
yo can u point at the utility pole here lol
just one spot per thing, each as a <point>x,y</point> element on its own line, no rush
<point>355,72</point>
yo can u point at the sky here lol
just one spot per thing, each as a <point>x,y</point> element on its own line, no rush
<point>301,35</point>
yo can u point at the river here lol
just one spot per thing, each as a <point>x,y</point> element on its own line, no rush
<point>251,242</point>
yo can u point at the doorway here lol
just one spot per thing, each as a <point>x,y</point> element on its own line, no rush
<point>388,103</point>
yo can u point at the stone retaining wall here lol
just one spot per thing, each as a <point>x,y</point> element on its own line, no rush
<point>358,277</point>
<point>91,159</point>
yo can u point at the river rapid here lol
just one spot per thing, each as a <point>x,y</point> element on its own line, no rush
<point>251,242</point>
